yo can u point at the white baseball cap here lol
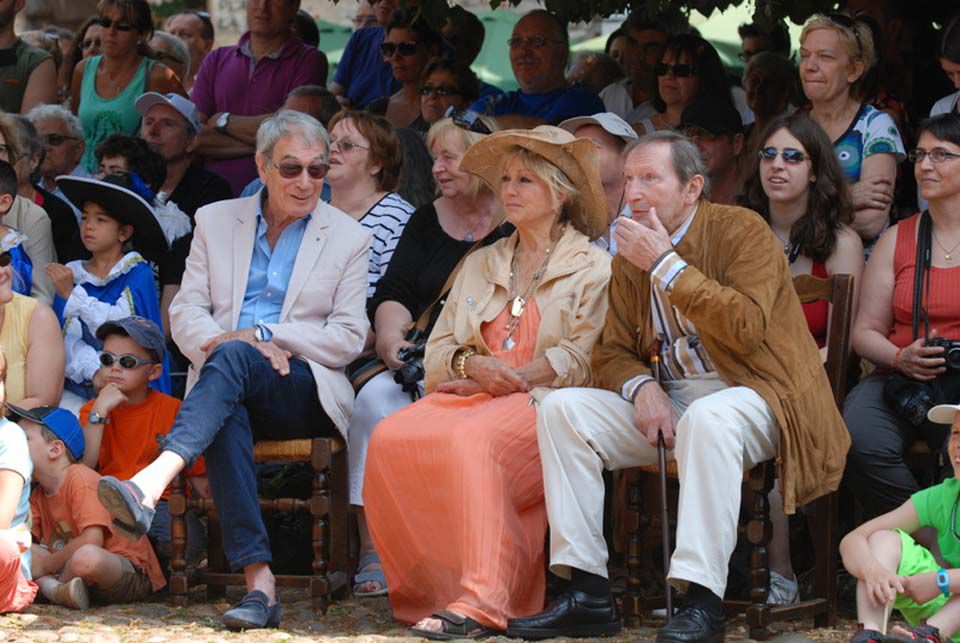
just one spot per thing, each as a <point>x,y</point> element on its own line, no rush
<point>609,121</point>
<point>943,413</point>
<point>186,108</point>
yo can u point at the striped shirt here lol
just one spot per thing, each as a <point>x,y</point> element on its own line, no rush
<point>385,221</point>
<point>682,355</point>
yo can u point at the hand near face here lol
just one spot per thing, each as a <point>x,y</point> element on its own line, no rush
<point>62,278</point>
<point>643,239</point>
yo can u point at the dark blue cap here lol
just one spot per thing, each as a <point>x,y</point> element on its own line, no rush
<point>139,329</point>
<point>62,422</point>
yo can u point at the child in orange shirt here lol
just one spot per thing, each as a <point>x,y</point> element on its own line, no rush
<point>79,556</point>
<point>124,423</point>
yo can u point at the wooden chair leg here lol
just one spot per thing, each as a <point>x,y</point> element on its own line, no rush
<point>340,570</point>
<point>824,530</point>
<point>177,505</point>
<point>216,559</point>
<point>632,602</point>
<point>759,533</point>
<point>320,510</point>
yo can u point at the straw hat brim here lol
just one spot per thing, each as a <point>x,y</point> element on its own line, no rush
<point>125,205</point>
<point>576,157</point>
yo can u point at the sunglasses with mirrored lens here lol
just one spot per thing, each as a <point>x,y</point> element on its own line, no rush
<point>439,90</point>
<point>789,154</point>
<point>294,170</point>
<point>468,120</point>
<point>106,23</point>
<point>388,49</point>
<point>126,362</point>
<point>5,259</point>
<point>54,140</point>
<point>679,71</point>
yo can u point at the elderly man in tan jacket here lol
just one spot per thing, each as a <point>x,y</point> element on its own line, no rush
<point>708,289</point>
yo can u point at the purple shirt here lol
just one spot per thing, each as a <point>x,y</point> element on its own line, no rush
<point>230,80</point>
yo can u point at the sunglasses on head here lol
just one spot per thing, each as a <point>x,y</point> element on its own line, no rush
<point>847,22</point>
<point>126,362</point>
<point>58,139</point>
<point>290,170</point>
<point>468,120</point>
<point>388,49</point>
<point>439,90</point>
<point>789,154</point>
<point>106,23</point>
<point>679,71</point>
<point>5,259</point>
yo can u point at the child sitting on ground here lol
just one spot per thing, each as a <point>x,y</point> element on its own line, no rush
<point>891,567</point>
<point>17,591</point>
<point>78,556</point>
<point>123,423</point>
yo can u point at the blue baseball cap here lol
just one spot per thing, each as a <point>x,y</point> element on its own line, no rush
<point>62,422</point>
<point>140,329</point>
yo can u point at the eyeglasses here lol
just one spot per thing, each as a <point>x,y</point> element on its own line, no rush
<point>788,154</point>
<point>847,22</point>
<point>127,362</point>
<point>162,55</point>
<point>294,170</point>
<point>53,140</point>
<point>5,259</point>
<point>937,155</point>
<point>468,120</point>
<point>534,42</point>
<point>440,90</point>
<point>679,71</point>
<point>106,23</point>
<point>747,54</point>
<point>408,48</point>
<point>345,146</point>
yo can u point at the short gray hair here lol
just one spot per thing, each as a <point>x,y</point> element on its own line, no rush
<point>60,113</point>
<point>180,49</point>
<point>687,162</point>
<point>287,122</point>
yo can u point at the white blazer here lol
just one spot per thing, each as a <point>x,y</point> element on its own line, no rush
<point>323,320</point>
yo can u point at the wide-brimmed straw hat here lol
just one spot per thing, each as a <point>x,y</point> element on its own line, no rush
<point>122,204</point>
<point>576,157</point>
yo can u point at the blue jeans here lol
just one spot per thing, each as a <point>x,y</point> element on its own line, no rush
<point>238,399</point>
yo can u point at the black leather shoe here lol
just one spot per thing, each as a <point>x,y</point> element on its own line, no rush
<point>252,612</point>
<point>695,623</point>
<point>574,614</point>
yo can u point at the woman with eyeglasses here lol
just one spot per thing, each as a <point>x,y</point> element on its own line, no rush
<point>446,84</point>
<point>884,331</point>
<point>365,164</point>
<point>105,86</point>
<point>408,46</point>
<point>689,68</point>
<point>121,232</point>
<point>835,54</point>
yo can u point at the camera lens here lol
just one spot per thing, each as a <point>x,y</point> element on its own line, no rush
<point>952,358</point>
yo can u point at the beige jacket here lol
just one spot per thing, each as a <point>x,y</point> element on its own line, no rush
<point>323,320</point>
<point>571,298</point>
<point>32,220</point>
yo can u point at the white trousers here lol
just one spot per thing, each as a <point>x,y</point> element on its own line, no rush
<point>722,431</point>
<point>378,398</point>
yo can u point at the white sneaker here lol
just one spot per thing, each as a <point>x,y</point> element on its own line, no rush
<point>783,591</point>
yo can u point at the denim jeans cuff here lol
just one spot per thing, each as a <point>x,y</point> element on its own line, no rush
<point>182,451</point>
<point>237,566</point>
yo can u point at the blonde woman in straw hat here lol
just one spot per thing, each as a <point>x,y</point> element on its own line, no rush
<point>453,488</point>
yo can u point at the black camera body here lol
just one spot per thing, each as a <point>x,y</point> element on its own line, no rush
<point>951,351</point>
<point>409,375</point>
<point>912,399</point>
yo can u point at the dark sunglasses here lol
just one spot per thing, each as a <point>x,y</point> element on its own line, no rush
<point>126,362</point>
<point>468,120</point>
<point>388,49</point>
<point>106,23</point>
<point>848,23</point>
<point>5,259</point>
<point>162,55</point>
<point>789,155</point>
<point>679,71</point>
<point>86,44</point>
<point>54,140</point>
<point>294,170</point>
<point>440,90</point>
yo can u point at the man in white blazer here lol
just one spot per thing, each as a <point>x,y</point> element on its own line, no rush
<point>271,309</point>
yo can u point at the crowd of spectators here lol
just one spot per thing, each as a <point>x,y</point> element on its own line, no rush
<point>490,296</point>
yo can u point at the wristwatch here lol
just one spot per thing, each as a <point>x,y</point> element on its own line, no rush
<point>222,122</point>
<point>96,418</point>
<point>943,581</point>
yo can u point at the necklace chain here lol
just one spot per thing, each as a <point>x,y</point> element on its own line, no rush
<point>518,303</point>
<point>947,254</point>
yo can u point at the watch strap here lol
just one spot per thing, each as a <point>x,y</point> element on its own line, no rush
<point>943,581</point>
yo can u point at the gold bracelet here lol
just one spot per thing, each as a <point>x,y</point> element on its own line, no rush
<point>461,362</point>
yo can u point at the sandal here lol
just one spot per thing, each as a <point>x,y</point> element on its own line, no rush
<point>372,576</point>
<point>866,636</point>
<point>455,626</point>
<point>124,500</point>
<point>915,633</point>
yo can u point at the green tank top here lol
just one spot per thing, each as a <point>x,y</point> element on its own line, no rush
<point>13,78</point>
<point>103,117</point>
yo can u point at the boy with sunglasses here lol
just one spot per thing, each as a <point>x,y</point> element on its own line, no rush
<point>78,553</point>
<point>125,423</point>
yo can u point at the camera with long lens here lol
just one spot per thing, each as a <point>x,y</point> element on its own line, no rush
<point>410,373</point>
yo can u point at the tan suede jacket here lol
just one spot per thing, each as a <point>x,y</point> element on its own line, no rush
<point>571,298</point>
<point>738,292</point>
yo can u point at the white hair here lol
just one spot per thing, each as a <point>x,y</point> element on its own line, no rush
<point>180,49</point>
<point>58,112</point>
<point>287,122</point>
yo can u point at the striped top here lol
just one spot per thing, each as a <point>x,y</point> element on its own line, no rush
<point>942,300</point>
<point>385,221</point>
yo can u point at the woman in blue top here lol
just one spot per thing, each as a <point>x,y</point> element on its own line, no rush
<point>105,86</point>
<point>116,282</point>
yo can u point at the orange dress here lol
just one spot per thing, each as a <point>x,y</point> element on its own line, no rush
<point>453,497</point>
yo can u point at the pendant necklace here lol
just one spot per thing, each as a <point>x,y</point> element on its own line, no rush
<point>519,302</point>
<point>948,254</point>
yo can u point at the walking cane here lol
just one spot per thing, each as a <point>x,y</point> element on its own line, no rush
<point>664,514</point>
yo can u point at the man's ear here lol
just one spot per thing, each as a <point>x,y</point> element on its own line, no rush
<point>6,201</point>
<point>693,190</point>
<point>738,144</point>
